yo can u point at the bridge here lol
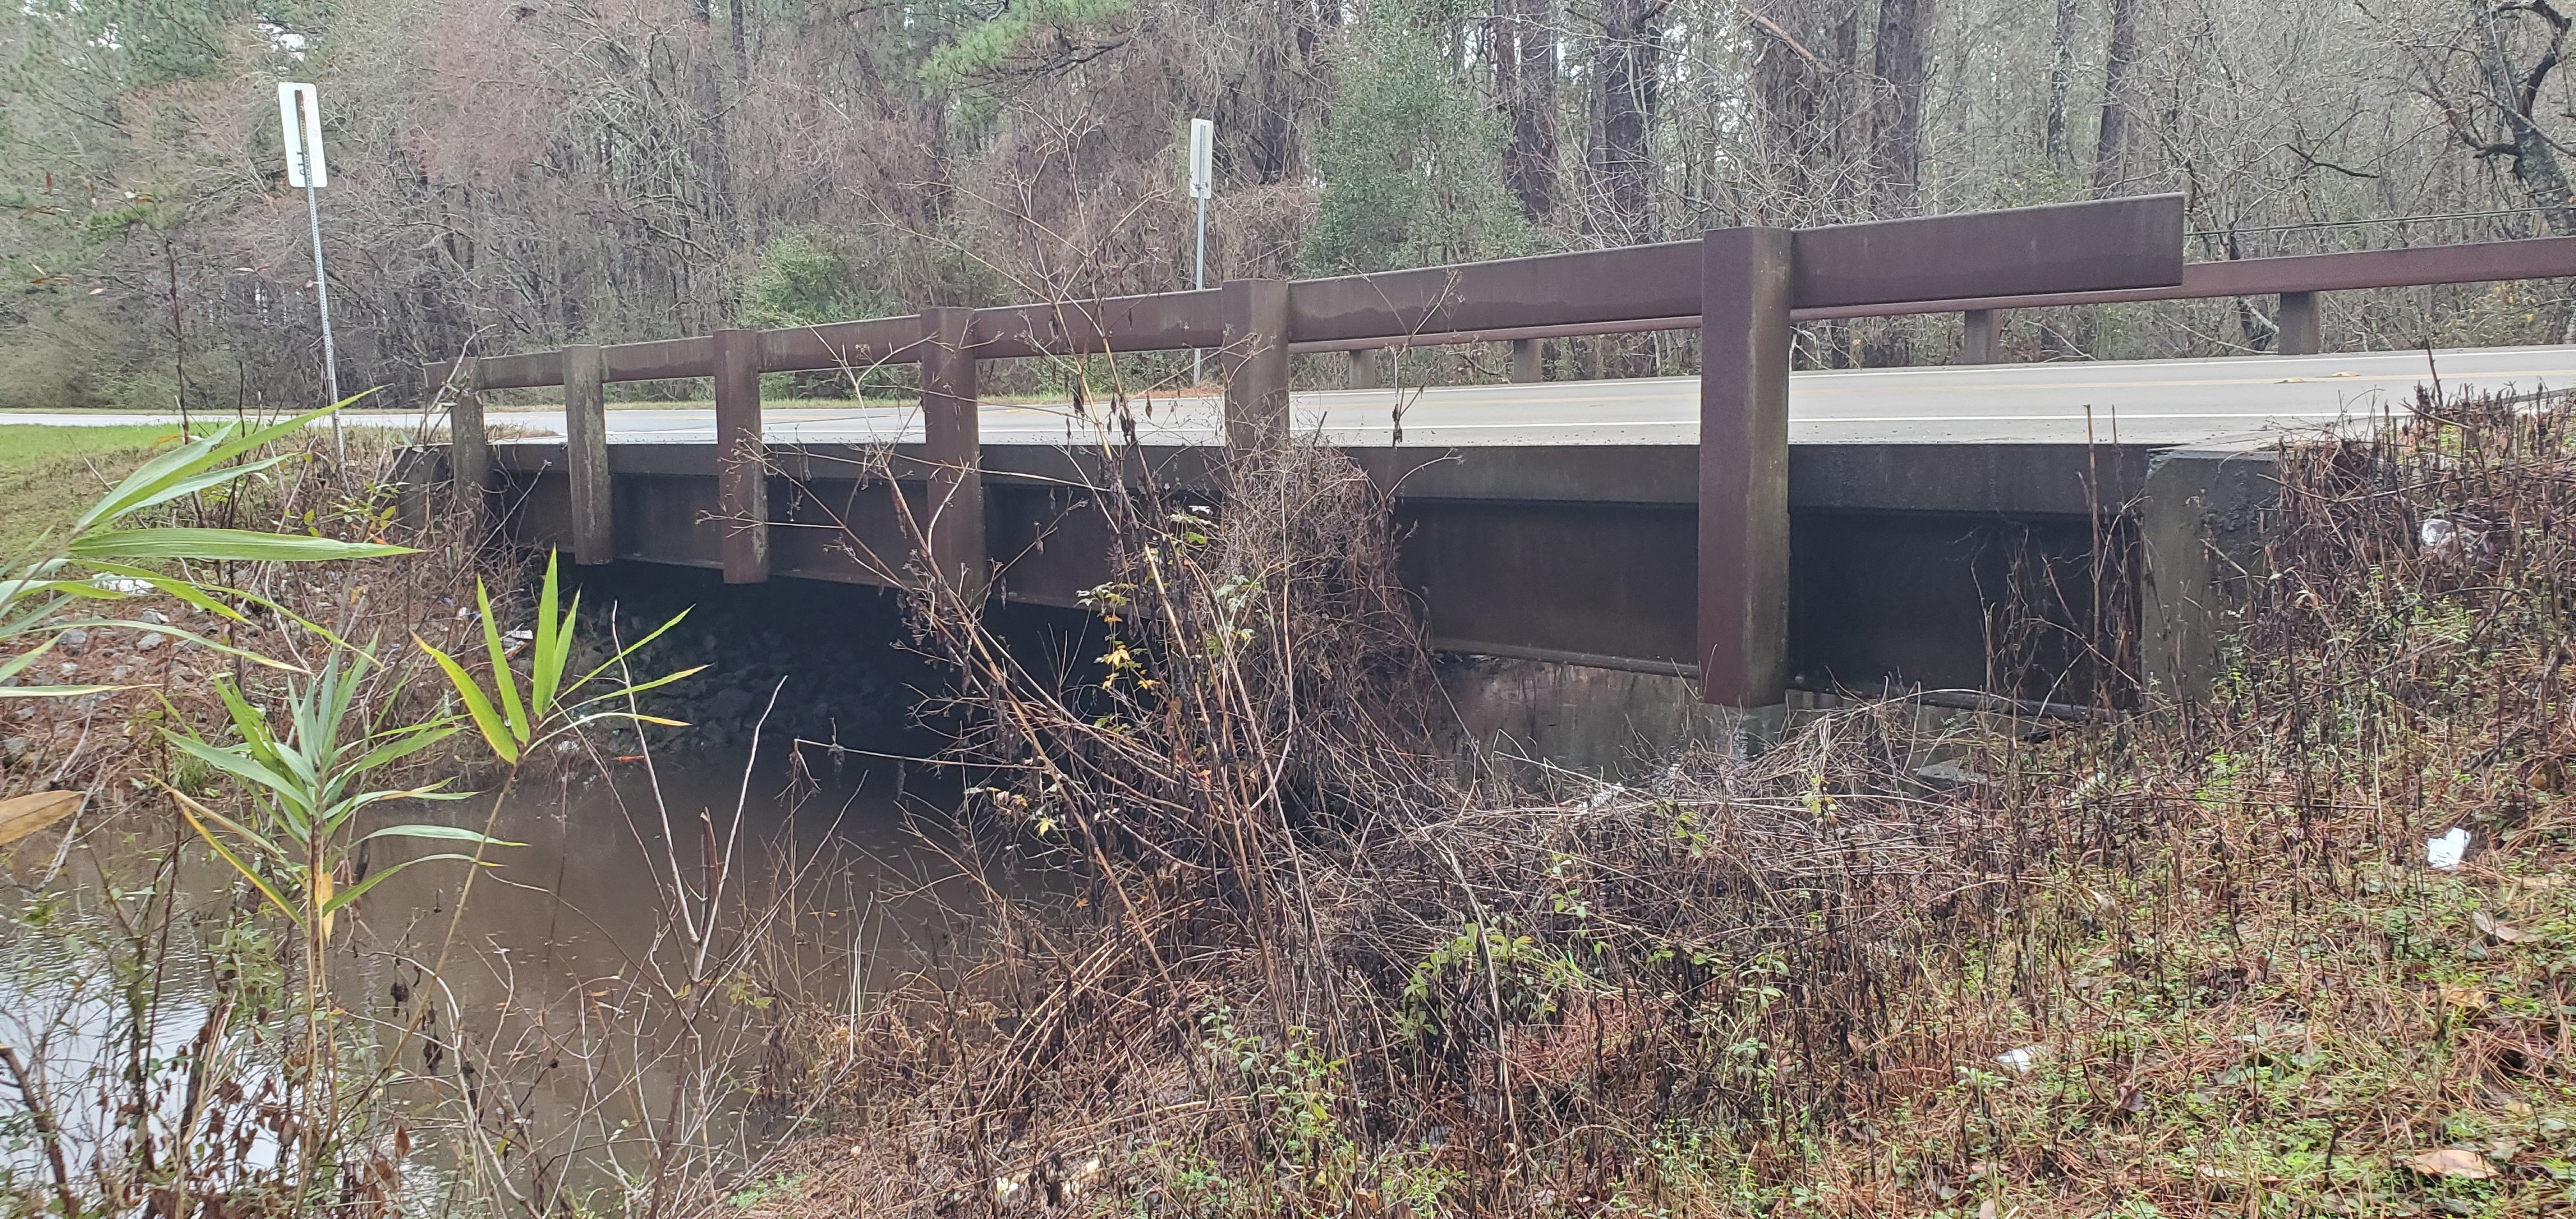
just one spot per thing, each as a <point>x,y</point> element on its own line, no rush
<point>1851,529</point>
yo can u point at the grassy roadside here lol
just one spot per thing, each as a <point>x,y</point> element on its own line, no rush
<point>48,474</point>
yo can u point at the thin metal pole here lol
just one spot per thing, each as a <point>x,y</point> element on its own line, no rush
<point>1197,372</point>
<point>322,295</point>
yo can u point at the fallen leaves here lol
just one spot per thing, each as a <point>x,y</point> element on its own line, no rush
<point>2450,1162</point>
<point>2502,933</point>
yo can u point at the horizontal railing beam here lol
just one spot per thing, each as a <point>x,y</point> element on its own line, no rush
<point>1632,290</point>
<point>2120,243</point>
<point>2349,271</point>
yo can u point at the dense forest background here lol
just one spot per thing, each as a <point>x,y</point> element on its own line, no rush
<point>508,173</point>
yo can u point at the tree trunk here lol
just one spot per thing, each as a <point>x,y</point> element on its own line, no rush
<point>1628,68</point>
<point>741,48</point>
<point>1896,120</point>
<point>1525,81</point>
<point>2061,79</point>
<point>2535,163</point>
<point>2110,148</point>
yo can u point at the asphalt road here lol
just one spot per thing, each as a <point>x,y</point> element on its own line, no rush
<point>2222,400</point>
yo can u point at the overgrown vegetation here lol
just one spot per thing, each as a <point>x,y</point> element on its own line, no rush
<point>2193,961</point>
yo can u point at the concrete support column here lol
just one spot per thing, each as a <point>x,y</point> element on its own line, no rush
<point>1977,337</point>
<point>953,445</point>
<point>2297,321</point>
<point>1255,363</point>
<point>2201,529</point>
<point>469,447</point>
<point>742,459</point>
<point>1744,466</point>
<point>1363,370</point>
<point>594,539</point>
<point>1526,367</point>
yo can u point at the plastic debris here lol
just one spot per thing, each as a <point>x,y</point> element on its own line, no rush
<point>2445,853</point>
<point>2444,538</point>
<point>2023,1060</point>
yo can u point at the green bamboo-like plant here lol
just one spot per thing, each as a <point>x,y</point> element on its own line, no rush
<point>304,783</point>
<point>513,724</point>
<point>103,558</point>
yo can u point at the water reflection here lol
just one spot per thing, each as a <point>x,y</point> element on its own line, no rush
<point>852,860</point>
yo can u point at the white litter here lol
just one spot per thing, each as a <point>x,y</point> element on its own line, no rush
<point>2023,1059</point>
<point>2445,853</point>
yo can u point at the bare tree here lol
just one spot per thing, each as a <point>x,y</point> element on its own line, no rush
<point>1525,81</point>
<point>1627,73</point>
<point>1896,120</point>
<point>2111,144</point>
<point>2501,123</point>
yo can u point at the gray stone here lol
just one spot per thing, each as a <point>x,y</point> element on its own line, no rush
<point>75,641</point>
<point>14,748</point>
<point>155,617</point>
<point>150,640</point>
<point>121,672</point>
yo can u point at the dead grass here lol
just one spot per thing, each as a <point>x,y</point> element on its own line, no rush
<point>2189,962</point>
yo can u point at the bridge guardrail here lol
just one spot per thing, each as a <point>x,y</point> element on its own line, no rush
<point>1741,287</point>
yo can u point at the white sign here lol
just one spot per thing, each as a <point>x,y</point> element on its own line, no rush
<point>299,119</point>
<point>1202,158</point>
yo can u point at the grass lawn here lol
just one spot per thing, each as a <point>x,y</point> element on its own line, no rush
<point>49,474</point>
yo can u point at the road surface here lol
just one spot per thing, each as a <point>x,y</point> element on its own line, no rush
<point>2243,398</point>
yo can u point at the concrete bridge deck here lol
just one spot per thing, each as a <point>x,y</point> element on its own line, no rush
<point>2154,402</point>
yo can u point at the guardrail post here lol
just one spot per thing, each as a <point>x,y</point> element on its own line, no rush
<point>585,374</point>
<point>1977,337</point>
<point>1255,363</point>
<point>952,442</point>
<point>1526,366</point>
<point>469,447</point>
<point>742,460</point>
<point>1363,371</point>
<point>1745,296</point>
<point>2297,322</point>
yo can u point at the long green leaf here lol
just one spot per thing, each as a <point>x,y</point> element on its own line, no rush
<point>186,590</point>
<point>341,899</point>
<point>545,665</point>
<point>443,833</point>
<point>496,733</point>
<point>505,687</point>
<point>641,687</point>
<point>190,809</point>
<point>55,691</point>
<point>630,649</point>
<point>410,741</point>
<point>243,768</point>
<point>185,635</point>
<point>151,482</point>
<point>190,481</point>
<point>212,545</point>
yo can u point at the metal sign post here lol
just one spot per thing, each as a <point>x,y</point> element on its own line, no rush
<point>1202,182</point>
<point>299,116</point>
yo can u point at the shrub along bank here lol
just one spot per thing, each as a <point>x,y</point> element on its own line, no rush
<point>2191,961</point>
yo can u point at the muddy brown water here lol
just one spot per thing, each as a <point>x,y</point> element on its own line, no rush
<point>842,878</point>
